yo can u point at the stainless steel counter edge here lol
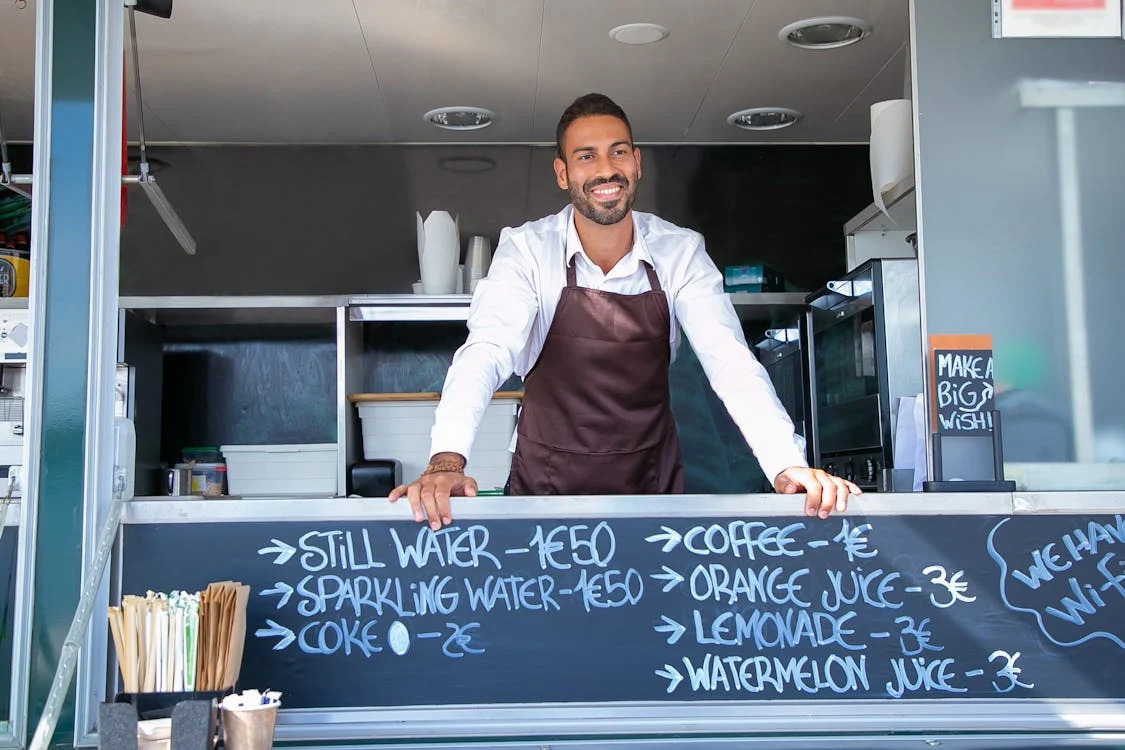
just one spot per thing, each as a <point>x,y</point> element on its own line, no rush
<point>1012,741</point>
<point>155,302</point>
<point>1069,502</point>
<point>836,718</point>
<point>174,510</point>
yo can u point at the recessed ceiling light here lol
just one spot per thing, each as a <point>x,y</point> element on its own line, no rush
<point>764,118</point>
<point>827,32</point>
<point>460,118</point>
<point>638,33</point>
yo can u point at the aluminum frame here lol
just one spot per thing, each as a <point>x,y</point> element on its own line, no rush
<point>105,254</point>
<point>33,378</point>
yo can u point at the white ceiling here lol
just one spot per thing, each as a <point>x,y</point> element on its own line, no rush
<point>364,71</point>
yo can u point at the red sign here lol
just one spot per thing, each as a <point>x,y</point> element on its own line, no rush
<point>1059,5</point>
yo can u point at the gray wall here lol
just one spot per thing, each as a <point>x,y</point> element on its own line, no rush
<point>989,189</point>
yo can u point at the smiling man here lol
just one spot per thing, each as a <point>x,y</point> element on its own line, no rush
<point>584,305</point>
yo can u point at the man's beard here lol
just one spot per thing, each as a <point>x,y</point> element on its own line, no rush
<point>595,212</point>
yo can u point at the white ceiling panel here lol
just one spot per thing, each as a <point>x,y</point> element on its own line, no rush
<point>764,71</point>
<point>436,53</point>
<point>365,71</point>
<point>261,71</point>
<point>889,83</point>
<point>660,86</point>
<point>17,70</point>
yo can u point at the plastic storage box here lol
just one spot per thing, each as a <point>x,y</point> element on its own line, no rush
<point>401,429</point>
<point>754,277</point>
<point>281,469</point>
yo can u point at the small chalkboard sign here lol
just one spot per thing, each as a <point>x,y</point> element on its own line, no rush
<point>963,390</point>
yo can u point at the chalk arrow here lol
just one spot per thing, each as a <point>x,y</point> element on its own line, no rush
<point>672,577</point>
<point>279,548</point>
<point>273,629</point>
<point>282,588</point>
<point>670,537</point>
<point>987,391</point>
<point>674,628</point>
<point>669,673</point>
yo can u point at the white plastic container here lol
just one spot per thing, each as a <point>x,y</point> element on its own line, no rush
<point>401,429</point>
<point>279,470</point>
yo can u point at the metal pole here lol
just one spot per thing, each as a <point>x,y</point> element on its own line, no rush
<point>137,85</point>
<point>1081,400</point>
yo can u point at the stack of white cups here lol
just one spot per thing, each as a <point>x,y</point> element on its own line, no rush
<point>478,255</point>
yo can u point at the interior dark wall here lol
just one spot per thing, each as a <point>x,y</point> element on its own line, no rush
<point>22,156</point>
<point>341,219</point>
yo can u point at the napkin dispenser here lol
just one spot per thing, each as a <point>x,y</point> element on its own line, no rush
<point>375,478</point>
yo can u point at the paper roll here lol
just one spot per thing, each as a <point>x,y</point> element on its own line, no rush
<point>892,146</point>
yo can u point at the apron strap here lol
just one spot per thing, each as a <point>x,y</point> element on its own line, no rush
<point>572,275</point>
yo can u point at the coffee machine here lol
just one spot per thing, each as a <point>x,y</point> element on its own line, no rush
<point>865,353</point>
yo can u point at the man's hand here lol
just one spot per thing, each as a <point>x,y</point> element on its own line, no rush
<point>823,492</point>
<point>429,494</point>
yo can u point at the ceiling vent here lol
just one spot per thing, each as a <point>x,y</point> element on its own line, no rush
<point>764,118</point>
<point>460,118</point>
<point>828,32</point>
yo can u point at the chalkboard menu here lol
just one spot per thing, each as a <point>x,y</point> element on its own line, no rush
<point>663,609</point>
<point>8,548</point>
<point>963,392</point>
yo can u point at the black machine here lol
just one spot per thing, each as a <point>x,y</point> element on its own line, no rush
<point>865,353</point>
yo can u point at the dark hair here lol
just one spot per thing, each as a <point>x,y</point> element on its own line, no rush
<point>586,106</point>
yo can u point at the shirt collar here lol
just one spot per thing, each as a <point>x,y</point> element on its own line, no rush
<point>637,253</point>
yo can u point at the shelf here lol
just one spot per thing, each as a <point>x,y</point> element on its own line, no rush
<point>901,206</point>
<point>766,305</point>
<point>229,310</point>
<point>422,307</point>
<point>225,310</point>
<point>410,307</point>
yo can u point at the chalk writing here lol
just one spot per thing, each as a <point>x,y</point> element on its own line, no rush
<point>954,587</point>
<point>726,608</point>
<point>1073,585</point>
<point>750,581</point>
<point>964,391</point>
<point>757,674</point>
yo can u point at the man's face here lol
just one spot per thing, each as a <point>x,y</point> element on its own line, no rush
<point>601,169</point>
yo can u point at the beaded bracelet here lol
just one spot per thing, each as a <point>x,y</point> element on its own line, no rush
<point>443,466</point>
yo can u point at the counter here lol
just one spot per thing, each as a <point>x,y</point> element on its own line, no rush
<point>640,618</point>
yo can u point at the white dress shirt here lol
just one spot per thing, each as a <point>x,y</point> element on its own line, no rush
<point>514,305</point>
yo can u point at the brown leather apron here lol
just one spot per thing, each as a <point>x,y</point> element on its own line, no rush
<point>596,418</point>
